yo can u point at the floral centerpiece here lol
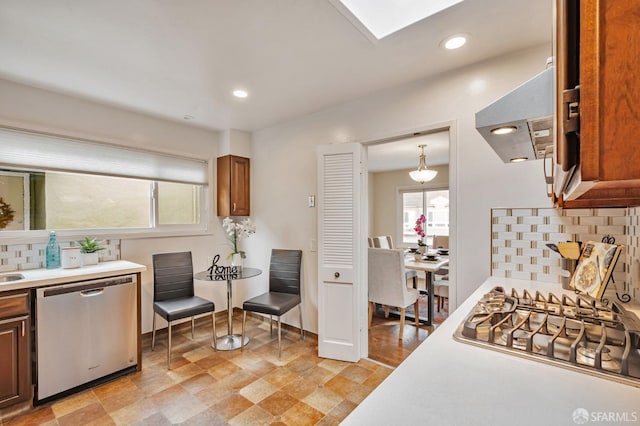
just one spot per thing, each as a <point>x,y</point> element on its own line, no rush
<point>420,232</point>
<point>236,232</point>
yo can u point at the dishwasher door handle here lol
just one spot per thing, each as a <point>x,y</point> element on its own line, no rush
<point>93,292</point>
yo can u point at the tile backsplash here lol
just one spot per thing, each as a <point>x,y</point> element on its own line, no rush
<point>519,237</point>
<point>18,257</point>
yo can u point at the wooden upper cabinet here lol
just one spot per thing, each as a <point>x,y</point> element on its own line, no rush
<point>606,141</point>
<point>234,196</point>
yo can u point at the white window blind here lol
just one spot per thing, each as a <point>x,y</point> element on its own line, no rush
<point>36,151</point>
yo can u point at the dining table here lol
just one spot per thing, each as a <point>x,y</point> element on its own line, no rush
<point>230,341</point>
<point>429,267</point>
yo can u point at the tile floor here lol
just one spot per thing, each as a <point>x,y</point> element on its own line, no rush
<point>206,387</point>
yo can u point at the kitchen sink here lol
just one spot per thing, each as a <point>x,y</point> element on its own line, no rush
<point>10,277</point>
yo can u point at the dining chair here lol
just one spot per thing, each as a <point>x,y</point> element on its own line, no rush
<point>283,294</point>
<point>387,284</point>
<point>440,241</point>
<point>441,292</point>
<point>384,241</point>
<point>173,295</point>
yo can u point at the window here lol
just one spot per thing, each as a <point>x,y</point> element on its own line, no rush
<point>57,183</point>
<point>14,201</point>
<point>434,204</point>
<point>61,201</point>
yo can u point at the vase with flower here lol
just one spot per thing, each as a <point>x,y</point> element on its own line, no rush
<point>237,231</point>
<point>419,229</point>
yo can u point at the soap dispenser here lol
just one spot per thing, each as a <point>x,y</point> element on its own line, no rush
<point>52,252</point>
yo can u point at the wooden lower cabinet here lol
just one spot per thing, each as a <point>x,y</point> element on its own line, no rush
<point>15,352</point>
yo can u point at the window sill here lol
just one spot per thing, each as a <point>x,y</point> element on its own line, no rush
<point>42,236</point>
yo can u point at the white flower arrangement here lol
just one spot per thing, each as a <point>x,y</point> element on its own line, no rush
<point>236,232</point>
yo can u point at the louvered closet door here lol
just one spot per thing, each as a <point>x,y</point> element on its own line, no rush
<point>340,258</point>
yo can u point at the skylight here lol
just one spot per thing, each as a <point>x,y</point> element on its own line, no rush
<point>379,18</point>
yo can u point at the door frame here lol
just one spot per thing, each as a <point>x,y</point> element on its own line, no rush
<point>452,128</point>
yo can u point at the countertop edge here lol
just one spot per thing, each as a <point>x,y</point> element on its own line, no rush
<point>34,278</point>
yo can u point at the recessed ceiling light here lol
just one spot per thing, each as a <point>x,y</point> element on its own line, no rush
<point>239,93</point>
<point>519,159</point>
<point>454,41</point>
<point>504,130</point>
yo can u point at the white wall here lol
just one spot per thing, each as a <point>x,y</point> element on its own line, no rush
<point>42,110</point>
<point>284,163</point>
<point>283,167</point>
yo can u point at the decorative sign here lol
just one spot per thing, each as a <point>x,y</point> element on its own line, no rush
<point>219,272</point>
<point>595,267</point>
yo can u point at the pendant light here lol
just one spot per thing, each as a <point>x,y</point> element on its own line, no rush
<point>423,174</point>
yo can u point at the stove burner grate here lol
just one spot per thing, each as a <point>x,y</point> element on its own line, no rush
<point>581,333</point>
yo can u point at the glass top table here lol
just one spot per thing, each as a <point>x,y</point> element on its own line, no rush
<point>230,341</point>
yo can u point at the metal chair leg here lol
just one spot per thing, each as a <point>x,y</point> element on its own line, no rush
<point>301,327</point>
<point>193,323</point>
<point>153,333</point>
<point>215,337</point>
<point>169,346</point>
<point>279,338</point>
<point>244,320</point>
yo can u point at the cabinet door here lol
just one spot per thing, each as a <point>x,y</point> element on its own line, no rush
<point>609,71</point>
<point>15,377</point>
<point>233,186</point>
<point>240,196</point>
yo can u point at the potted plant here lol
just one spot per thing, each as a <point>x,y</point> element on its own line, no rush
<point>89,247</point>
<point>422,245</point>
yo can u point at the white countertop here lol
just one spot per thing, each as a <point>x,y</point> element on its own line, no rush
<point>42,277</point>
<point>446,382</point>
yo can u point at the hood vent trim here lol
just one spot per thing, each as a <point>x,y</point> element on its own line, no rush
<point>530,109</point>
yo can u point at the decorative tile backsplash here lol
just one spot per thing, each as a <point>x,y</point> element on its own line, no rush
<point>17,257</point>
<point>519,237</point>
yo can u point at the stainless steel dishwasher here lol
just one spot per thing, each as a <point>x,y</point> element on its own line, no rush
<point>85,331</point>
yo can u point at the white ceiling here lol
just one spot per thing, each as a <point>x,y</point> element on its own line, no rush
<point>405,154</point>
<point>294,57</point>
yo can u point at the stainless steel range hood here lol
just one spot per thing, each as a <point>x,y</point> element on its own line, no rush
<point>527,111</point>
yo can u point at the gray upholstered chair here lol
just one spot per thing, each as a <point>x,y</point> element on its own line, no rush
<point>173,296</point>
<point>283,294</point>
<point>387,285</point>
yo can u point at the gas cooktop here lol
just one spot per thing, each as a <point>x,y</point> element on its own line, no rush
<point>575,332</point>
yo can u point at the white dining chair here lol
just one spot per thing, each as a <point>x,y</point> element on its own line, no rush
<point>387,284</point>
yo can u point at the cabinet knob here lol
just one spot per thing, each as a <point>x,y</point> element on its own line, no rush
<point>234,207</point>
<point>336,275</point>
